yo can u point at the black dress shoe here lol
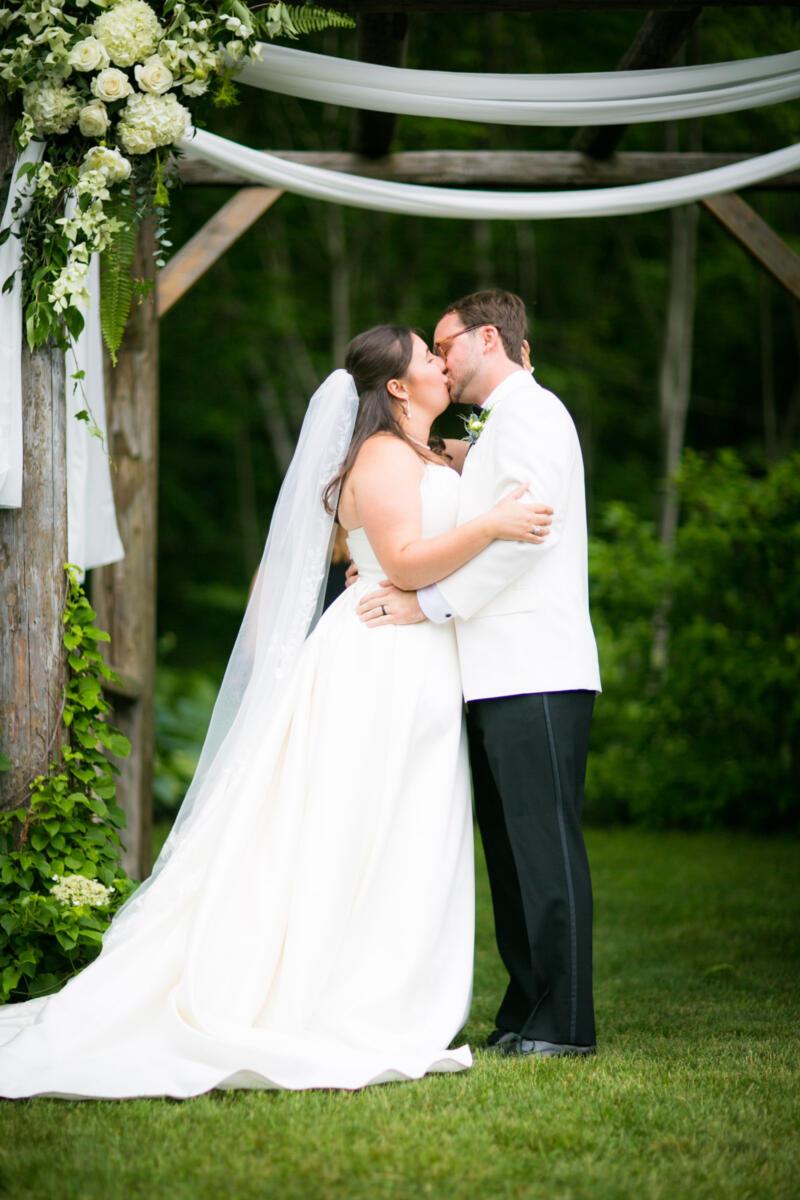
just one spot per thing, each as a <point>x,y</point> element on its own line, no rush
<point>527,1048</point>
<point>500,1041</point>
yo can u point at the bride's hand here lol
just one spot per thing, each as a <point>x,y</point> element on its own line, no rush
<point>511,520</point>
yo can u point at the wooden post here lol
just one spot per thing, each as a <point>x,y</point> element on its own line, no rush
<point>33,550</point>
<point>124,593</point>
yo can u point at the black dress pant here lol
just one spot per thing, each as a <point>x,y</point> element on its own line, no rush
<point>528,757</point>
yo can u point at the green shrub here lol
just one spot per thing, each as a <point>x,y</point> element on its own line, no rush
<point>64,840</point>
<point>712,738</point>
<point>184,700</point>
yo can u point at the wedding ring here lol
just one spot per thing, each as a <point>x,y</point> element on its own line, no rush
<point>383,610</point>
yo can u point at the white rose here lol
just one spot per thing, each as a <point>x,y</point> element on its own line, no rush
<point>130,31</point>
<point>114,165</point>
<point>150,121</point>
<point>154,76</point>
<point>88,55</point>
<point>111,84</point>
<point>93,119</point>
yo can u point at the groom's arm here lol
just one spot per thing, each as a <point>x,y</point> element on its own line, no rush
<point>530,447</point>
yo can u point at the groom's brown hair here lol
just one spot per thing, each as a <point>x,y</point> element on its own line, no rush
<point>495,307</point>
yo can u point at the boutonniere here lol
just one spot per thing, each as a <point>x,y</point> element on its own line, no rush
<point>475,424</point>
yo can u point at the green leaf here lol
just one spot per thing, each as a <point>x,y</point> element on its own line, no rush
<point>39,839</point>
<point>116,262</point>
<point>89,692</point>
<point>10,978</point>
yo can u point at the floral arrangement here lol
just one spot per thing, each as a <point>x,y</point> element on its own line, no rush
<point>108,86</point>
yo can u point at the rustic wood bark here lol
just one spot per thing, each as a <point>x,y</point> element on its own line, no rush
<point>210,243</point>
<point>33,550</point>
<point>500,168</point>
<point>381,39</point>
<point>760,241</point>
<point>124,593</point>
<point>655,45</point>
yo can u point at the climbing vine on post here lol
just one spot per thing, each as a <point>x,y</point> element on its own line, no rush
<point>60,874</point>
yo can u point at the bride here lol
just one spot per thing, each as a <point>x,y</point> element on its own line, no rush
<point>309,922</point>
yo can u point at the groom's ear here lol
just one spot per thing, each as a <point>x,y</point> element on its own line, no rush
<point>490,336</point>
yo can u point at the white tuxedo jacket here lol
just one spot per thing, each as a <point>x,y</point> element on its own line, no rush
<point>522,610</point>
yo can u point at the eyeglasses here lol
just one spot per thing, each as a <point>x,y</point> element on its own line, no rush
<point>441,348</point>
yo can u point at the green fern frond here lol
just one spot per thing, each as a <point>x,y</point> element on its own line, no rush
<point>300,19</point>
<point>116,262</point>
<point>307,18</point>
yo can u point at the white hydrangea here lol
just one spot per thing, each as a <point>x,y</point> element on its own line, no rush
<point>130,32</point>
<point>154,76</point>
<point>150,121</point>
<point>113,165</point>
<point>51,107</point>
<point>89,54</point>
<point>93,119</point>
<point>111,84</point>
<point>77,889</point>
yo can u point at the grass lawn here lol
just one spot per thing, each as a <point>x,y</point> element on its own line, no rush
<point>695,1092</point>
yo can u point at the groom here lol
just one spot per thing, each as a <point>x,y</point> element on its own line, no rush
<point>530,672</point>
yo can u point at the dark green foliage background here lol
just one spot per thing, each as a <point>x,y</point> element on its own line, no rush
<point>262,318</point>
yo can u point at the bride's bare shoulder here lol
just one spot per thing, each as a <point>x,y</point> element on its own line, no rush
<point>384,451</point>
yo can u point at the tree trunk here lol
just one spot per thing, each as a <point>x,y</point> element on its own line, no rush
<point>676,361</point>
<point>674,390</point>
<point>124,593</point>
<point>340,284</point>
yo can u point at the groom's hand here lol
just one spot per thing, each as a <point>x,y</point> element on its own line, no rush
<point>389,606</point>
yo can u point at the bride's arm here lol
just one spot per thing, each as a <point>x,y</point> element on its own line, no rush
<point>385,485</point>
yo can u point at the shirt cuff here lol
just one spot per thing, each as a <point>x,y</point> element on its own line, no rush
<point>434,605</point>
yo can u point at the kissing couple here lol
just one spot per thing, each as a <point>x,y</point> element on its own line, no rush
<point>309,922</point>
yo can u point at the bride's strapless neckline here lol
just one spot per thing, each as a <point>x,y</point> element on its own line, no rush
<point>438,466</point>
<point>439,502</point>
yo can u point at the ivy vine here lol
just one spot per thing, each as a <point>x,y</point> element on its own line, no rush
<point>60,874</point>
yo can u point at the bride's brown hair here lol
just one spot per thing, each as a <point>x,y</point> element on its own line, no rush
<point>373,358</point>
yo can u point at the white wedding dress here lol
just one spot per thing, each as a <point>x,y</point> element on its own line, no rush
<point>317,933</point>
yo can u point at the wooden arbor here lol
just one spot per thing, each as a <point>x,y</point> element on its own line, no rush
<point>33,539</point>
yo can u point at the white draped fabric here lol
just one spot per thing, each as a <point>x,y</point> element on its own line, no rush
<point>92,535</point>
<point>592,98</point>
<point>424,201</point>
<point>11,342</point>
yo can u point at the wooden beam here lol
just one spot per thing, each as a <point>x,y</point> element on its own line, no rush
<point>759,240</point>
<point>124,593</point>
<point>655,45</point>
<point>481,7</point>
<point>382,38</point>
<point>498,168</point>
<point>202,251</point>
